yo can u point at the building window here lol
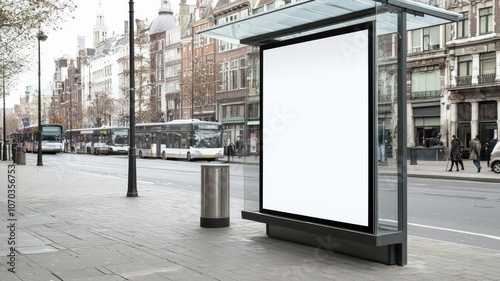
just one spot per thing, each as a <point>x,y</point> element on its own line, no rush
<point>253,110</point>
<point>431,38</point>
<point>486,20</point>
<point>243,73</point>
<point>464,70</point>
<point>233,75</point>
<point>487,68</point>
<point>416,36</point>
<point>426,39</point>
<point>233,111</point>
<point>426,82</point>
<point>463,26</point>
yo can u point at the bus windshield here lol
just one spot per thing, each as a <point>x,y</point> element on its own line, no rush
<point>120,136</point>
<point>51,134</point>
<point>207,136</point>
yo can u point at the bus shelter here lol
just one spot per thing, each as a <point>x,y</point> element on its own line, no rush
<point>332,170</point>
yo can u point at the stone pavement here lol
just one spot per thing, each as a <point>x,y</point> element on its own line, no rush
<point>77,226</point>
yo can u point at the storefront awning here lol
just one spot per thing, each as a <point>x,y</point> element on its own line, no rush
<point>313,16</point>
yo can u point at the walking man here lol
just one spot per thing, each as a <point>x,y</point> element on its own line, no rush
<point>475,152</point>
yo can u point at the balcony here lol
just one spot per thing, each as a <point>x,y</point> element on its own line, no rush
<point>425,95</point>
<point>486,79</point>
<point>464,81</point>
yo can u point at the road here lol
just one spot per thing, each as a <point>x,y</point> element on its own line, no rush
<point>464,212</point>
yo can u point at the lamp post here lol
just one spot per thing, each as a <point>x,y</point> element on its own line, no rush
<point>132,176</point>
<point>4,153</point>
<point>70,120</point>
<point>41,37</point>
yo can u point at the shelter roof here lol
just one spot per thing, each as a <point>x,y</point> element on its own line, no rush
<point>313,16</point>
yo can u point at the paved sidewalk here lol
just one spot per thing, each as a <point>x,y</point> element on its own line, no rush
<point>83,227</point>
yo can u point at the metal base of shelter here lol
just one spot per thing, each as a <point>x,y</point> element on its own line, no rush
<point>384,248</point>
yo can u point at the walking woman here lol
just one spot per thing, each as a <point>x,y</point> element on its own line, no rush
<point>455,153</point>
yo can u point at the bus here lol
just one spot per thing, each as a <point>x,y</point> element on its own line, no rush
<point>180,139</point>
<point>103,140</point>
<point>51,138</point>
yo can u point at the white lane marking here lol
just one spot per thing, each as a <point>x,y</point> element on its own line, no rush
<point>457,231</point>
<point>448,229</point>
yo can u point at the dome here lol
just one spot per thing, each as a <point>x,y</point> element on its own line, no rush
<point>164,21</point>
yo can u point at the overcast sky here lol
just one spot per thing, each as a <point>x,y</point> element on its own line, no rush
<point>64,41</point>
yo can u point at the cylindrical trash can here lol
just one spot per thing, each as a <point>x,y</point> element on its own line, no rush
<point>214,195</point>
<point>413,156</point>
<point>21,155</point>
<point>14,147</point>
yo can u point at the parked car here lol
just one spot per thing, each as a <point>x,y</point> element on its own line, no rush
<point>495,159</point>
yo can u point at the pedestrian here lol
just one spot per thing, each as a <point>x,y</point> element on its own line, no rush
<point>487,151</point>
<point>459,160</point>
<point>240,145</point>
<point>455,153</point>
<point>475,152</point>
<point>493,142</point>
<point>230,150</point>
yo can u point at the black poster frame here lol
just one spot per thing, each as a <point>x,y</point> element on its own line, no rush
<point>371,143</point>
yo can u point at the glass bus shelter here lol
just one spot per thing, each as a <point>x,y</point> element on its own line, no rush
<point>332,146</point>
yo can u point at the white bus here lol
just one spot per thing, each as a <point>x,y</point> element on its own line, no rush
<point>180,139</point>
<point>51,138</point>
<point>103,140</point>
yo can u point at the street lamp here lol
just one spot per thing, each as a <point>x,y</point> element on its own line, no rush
<point>41,37</point>
<point>132,175</point>
<point>4,153</point>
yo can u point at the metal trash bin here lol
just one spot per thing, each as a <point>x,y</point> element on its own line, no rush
<point>413,156</point>
<point>214,195</point>
<point>21,155</point>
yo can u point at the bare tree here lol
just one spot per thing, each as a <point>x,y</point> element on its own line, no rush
<point>12,122</point>
<point>20,21</point>
<point>143,70</point>
<point>199,85</point>
<point>102,106</point>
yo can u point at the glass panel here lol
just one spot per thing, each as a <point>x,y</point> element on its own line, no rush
<point>386,176</point>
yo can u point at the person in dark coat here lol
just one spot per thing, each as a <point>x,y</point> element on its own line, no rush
<point>475,150</point>
<point>455,153</point>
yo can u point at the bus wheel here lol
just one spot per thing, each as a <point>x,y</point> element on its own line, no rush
<point>140,154</point>
<point>189,156</point>
<point>97,152</point>
<point>163,155</point>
